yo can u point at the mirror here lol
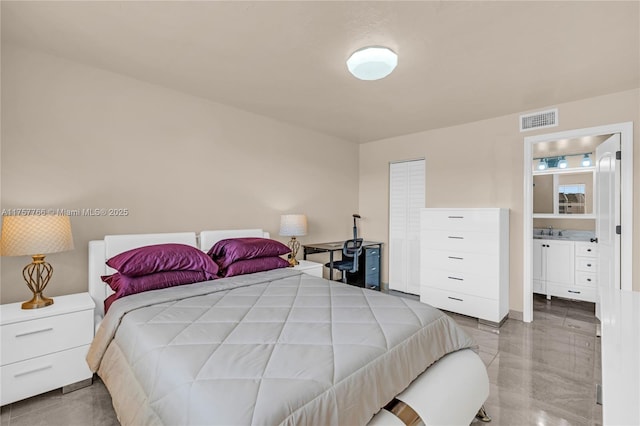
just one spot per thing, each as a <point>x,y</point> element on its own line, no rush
<point>563,193</point>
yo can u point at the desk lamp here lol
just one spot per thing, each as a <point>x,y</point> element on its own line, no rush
<point>36,236</point>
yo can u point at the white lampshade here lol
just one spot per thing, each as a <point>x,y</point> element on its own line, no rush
<point>32,235</point>
<point>372,63</point>
<point>293,225</point>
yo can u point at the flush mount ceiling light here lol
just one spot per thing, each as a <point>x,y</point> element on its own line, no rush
<point>372,63</point>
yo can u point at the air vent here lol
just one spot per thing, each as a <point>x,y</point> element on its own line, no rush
<point>539,120</point>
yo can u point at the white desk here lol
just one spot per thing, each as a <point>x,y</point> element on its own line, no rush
<point>620,316</point>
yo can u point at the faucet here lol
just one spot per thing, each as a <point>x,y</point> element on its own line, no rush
<point>550,230</point>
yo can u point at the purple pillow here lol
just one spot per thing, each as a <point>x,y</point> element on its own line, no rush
<point>225,252</point>
<point>249,266</point>
<point>163,257</point>
<point>108,301</point>
<point>124,285</point>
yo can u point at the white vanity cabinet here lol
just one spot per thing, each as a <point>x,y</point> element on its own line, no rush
<point>565,269</point>
<point>559,262</point>
<point>586,264</point>
<point>586,279</point>
<point>464,261</point>
<point>553,265</point>
<point>539,262</point>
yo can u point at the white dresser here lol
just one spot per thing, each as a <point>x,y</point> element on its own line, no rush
<point>464,261</point>
<point>44,349</point>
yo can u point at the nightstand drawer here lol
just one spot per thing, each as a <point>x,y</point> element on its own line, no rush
<point>310,268</point>
<point>30,339</point>
<point>27,378</point>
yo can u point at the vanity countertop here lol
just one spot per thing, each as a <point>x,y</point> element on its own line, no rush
<point>567,234</point>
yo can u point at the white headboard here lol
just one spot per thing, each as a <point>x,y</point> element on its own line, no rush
<point>209,238</point>
<point>102,250</point>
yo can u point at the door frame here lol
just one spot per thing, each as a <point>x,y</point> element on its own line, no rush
<point>626,204</point>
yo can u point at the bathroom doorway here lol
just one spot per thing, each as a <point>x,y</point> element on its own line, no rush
<point>564,140</point>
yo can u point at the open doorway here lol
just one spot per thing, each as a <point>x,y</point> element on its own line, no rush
<point>576,197</point>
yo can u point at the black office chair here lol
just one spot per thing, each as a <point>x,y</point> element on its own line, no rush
<point>351,251</point>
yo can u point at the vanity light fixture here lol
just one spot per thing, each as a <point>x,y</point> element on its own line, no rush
<point>542,164</point>
<point>562,163</point>
<point>372,63</point>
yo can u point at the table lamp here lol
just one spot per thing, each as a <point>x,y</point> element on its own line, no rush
<point>36,236</point>
<point>293,225</point>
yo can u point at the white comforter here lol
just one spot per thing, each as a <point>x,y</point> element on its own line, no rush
<point>276,347</point>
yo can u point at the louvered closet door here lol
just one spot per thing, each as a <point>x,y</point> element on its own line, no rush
<point>406,198</point>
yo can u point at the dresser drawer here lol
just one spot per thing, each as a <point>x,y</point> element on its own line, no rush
<point>481,264</point>
<point>574,292</point>
<point>586,249</point>
<point>37,375</point>
<point>460,220</point>
<point>586,279</point>
<point>586,264</point>
<point>467,283</point>
<point>460,241</point>
<point>461,303</point>
<point>30,339</point>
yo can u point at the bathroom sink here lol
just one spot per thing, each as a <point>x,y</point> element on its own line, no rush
<point>550,237</point>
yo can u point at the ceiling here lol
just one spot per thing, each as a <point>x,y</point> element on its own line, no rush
<point>458,61</point>
<point>587,144</point>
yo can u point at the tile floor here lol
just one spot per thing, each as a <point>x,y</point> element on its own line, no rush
<point>543,373</point>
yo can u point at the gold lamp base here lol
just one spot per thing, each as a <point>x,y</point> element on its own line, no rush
<point>37,301</point>
<point>294,245</point>
<point>37,275</point>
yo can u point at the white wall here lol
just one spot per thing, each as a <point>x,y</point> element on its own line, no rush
<point>480,164</point>
<point>80,137</point>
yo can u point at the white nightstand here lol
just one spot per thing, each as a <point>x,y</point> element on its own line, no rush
<point>308,267</point>
<point>44,349</point>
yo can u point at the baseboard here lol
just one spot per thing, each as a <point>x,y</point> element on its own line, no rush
<point>516,315</point>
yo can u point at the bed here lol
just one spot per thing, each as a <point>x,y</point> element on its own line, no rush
<point>276,347</point>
